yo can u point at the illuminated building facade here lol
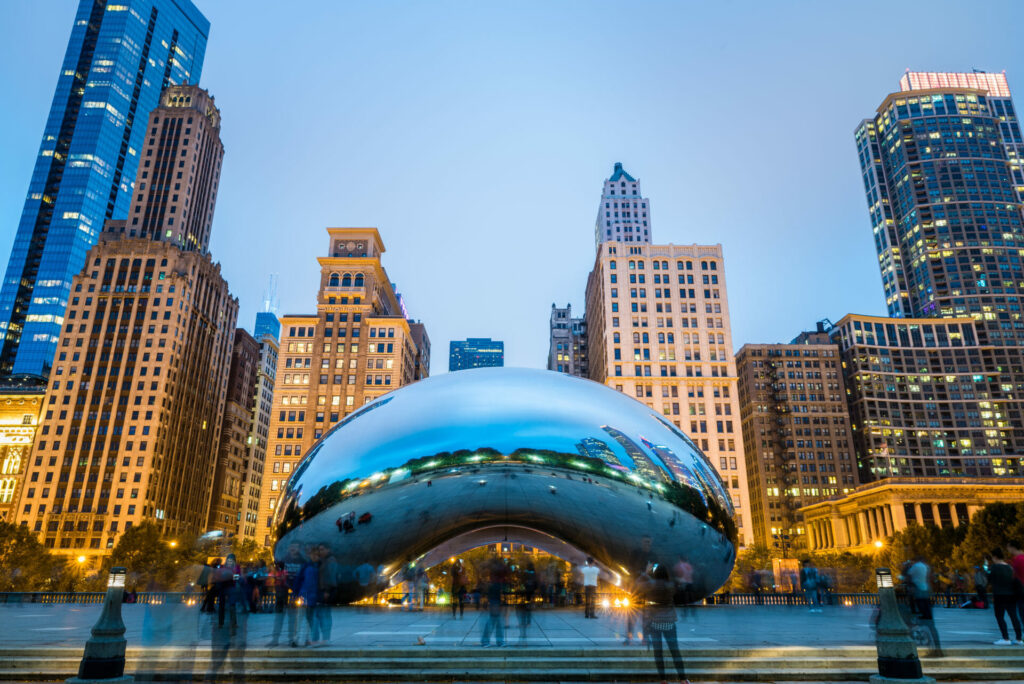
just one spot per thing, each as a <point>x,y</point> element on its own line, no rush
<point>658,330</point>
<point>19,419</point>
<point>132,418</point>
<point>624,213</point>
<point>861,520</point>
<point>796,432</point>
<point>119,58</point>
<point>567,347</point>
<point>939,168</point>
<point>925,401</point>
<point>475,352</point>
<point>357,346</point>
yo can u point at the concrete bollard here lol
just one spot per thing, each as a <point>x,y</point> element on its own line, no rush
<point>897,652</point>
<point>103,661</point>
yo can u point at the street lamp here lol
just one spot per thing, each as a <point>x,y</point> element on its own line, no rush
<point>879,543</point>
<point>81,559</point>
<point>897,652</point>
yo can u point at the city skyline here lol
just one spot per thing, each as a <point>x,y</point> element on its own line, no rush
<point>799,182</point>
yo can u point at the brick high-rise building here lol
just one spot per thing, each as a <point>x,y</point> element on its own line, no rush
<point>133,413</point>
<point>567,345</point>
<point>356,347</point>
<point>236,427</point>
<point>658,330</point>
<point>796,432</point>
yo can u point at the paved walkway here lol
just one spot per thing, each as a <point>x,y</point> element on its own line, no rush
<point>702,627</point>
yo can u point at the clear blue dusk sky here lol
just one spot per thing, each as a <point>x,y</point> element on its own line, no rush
<point>476,135</point>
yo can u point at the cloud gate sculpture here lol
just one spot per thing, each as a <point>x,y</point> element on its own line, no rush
<point>559,463</point>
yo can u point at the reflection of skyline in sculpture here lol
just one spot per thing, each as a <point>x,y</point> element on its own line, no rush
<point>643,464</point>
<point>675,466</point>
<point>595,448</point>
<point>434,463</point>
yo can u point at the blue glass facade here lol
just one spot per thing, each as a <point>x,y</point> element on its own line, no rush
<point>475,352</point>
<point>267,324</point>
<point>119,58</point>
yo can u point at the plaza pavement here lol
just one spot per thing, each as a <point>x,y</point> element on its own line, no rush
<point>67,625</point>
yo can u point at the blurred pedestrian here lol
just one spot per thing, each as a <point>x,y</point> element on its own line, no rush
<point>327,586</point>
<point>809,581</point>
<point>1016,561</point>
<point>981,585</point>
<point>524,608</point>
<point>590,573</point>
<point>495,614</point>
<point>308,592</point>
<point>457,577</point>
<point>1005,593</point>
<point>919,577</point>
<point>636,564</point>
<point>207,582</point>
<point>657,589</point>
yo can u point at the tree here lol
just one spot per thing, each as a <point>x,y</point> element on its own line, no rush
<point>934,544</point>
<point>755,558</point>
<point>25,564</point>
<point>992,526</point>
<point>151,560</point>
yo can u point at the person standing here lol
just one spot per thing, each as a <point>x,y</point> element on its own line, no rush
<point>308,591</point>
<point>809,581</point>
<point>207,582</point>
<point>495,615</point>
<point>458,586</point>
<point>524,608</point>
<point>981,585</point>
<point>288,581</point>
<point>919,577</point>
<point>327,587</point>
<point>590,573</point>
<point>637,565</point>
<point>657,589</point>
<point>1005,591</point>
<point>1017,563</point>
<point>228,578</point>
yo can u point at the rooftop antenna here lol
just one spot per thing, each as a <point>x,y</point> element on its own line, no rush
<point>270,295</point>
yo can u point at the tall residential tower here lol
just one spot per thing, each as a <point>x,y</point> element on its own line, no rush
<point>119,59</point>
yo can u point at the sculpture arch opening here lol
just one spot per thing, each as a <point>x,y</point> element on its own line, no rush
<point>450,459</point>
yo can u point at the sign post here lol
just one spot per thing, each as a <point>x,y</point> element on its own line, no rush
<point>897,652</point>
<point>103,661</point>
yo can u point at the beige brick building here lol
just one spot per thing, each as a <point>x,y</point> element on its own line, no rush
<point>357,346</point>
<point>658,330</point>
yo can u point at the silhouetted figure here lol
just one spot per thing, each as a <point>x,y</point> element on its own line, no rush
<point>524,608</point>
<point>1004,596</point>
<point>458,587</point>
<point>495,621</point>
<point>590,573</point>
<point>657,589</point>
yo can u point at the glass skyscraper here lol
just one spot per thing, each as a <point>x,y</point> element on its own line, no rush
<point>475,352</point>
<point>119,58</point>
<point>943,179</point>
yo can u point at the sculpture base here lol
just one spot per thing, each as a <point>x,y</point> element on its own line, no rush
<point>879,679</point>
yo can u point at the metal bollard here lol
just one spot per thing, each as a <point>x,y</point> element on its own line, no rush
<point>103,661</point>
<point>897,652</point>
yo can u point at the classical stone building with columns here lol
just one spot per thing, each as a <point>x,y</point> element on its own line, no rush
<point>863,519</point>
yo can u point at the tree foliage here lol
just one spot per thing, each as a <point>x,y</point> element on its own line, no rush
<point>992,526</point>
<point>25,564</point>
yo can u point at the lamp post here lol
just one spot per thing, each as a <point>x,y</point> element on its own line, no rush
<point>103,660</point>
<point>897,652</point>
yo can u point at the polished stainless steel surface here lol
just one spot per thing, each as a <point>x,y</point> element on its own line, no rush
<point>568,463</point>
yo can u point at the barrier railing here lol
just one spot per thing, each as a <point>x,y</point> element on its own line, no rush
<point>267,602</point>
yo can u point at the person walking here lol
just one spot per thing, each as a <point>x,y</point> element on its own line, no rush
<point>277,582</point>
<point>458,586</point>
<point>1016,561</point>
<point>327,588</point>
<point>207,582</point>
<point>590,573</point>
<point>636,565</point>
<point>809,581</point>
<point>657,590</point>
<point>1005,592</point>
<point>919,577</point>
<point>228,578</point>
